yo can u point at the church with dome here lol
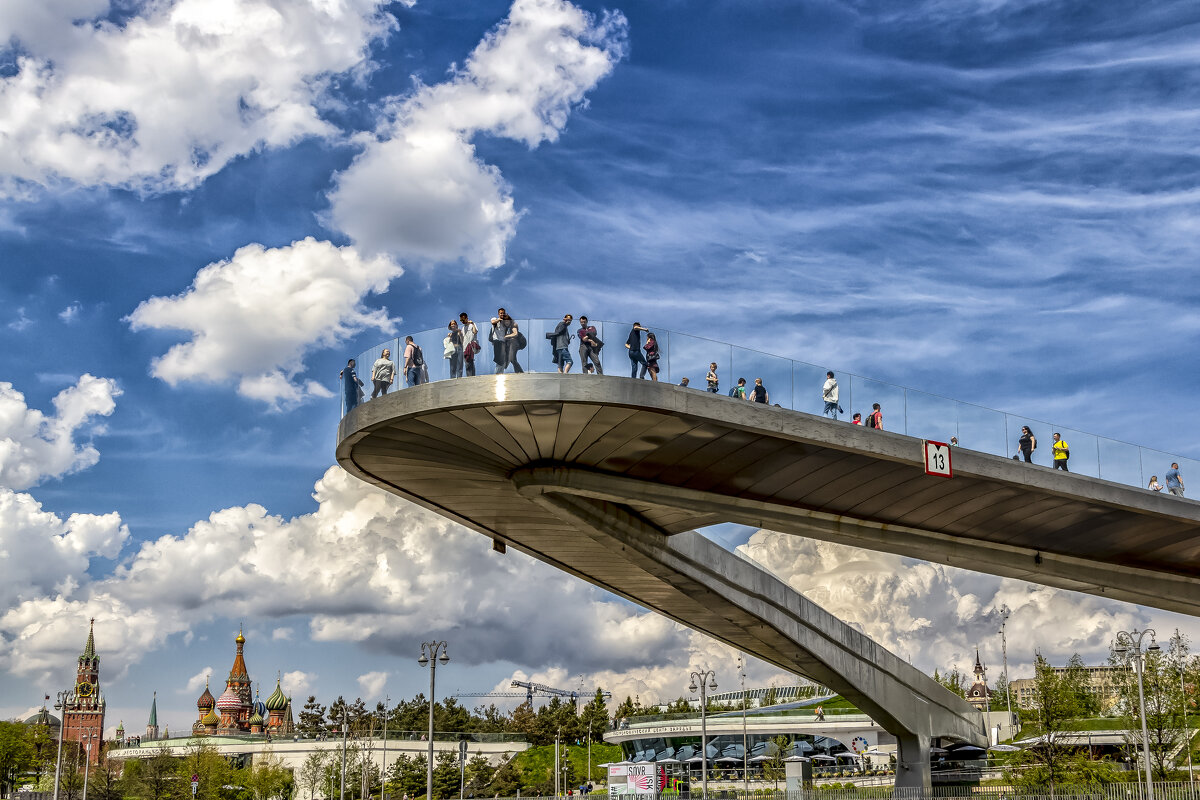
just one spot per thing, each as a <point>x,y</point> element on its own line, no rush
<point>237,711</point>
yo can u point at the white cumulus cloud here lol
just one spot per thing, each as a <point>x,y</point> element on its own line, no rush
<point>419,191</point>
<point>167,97</point>
<point>372,684</point>
<point>34,446</point>
<point>198,681</point>
<point>297,682</point>
<point>253,318</point>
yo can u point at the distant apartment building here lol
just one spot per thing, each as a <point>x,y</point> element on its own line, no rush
<point>1102,685</point>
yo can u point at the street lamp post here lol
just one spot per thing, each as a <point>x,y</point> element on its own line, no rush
<point>1005,613</point>
<point>383,778</point>
<point>706,679</point>
<point>87,760</point>
<point>745,738</point>
<point>342,791</point>
<point>1187,734</point>
<point>59,707</point>
<point>1130,642</point>
<point>431,654</point>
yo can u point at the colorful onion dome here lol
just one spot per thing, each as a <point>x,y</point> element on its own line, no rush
<point>229,700</point>
<point>206,700</point>
<point>256,719</point>
<point>210,720</point>
<point>277,701</point>
<point>240,638</point>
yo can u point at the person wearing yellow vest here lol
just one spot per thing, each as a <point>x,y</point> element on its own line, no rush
<point>1061,453</point>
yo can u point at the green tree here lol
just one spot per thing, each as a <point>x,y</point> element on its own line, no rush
<point>104,780</point>
<point>312,718</point>
<point>312,771</point>
<point>479,773</point>
<point>156,777</point>
<point>16,753</point>
<point>408,775</point>
<point>70,781</point>
<point>212,770</point>
<point>1079,682</point>
<point>679,705</point>
<point>594,717</point>
<point>266,778</point>
<point>626,709</point>
<point>445,775</point>
<point>955,680</point>
<point>1055,706</point>
<point>773,768</point>
<point>524,721</point>
<point>1164,701</point>
<point>770,697</point>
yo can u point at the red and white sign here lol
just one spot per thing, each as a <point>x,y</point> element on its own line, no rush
<point>937,459</point>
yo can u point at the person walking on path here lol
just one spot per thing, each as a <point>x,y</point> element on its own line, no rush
<point>759,393</point>
<point>714,383</point>
<point>589,347</point>
<point>383,374</point>
<point>1027,444</point>
<point>470,337</point>
<point>452,349</point>
<point>652,356</point>
<point>1174,481</point>
<point>351,385</point>
<point>739,392</point>
<point>514,342</point>
<point>829,393</point>
<point>634,345</point>
<point>1061,451</point>
<point>414,359</point>
<point>875,418</point>
<point>1154,485</point>
<point>562,344</point>
<point>502,325</point>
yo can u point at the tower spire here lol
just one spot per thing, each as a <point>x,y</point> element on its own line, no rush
<point>89,649</point>
<point>153,721</point>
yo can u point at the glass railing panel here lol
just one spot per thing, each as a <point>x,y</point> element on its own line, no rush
<point>1155,463</point>
<point>366,365</point>
<point>690,357</point>
<point>1040,430</point>
<point>982,429</point>
<point>430,343</point>
<point>930,416</point>
<point>1120,462</point>
<point>539,353</point>
<point>808,380</point>
<point>776,374</point>
<point>890,398</point>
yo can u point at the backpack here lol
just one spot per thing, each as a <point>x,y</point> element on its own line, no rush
<point>872,421</point>
<point>521,341</point>
<point>418,359</point>
<point>733,392</point>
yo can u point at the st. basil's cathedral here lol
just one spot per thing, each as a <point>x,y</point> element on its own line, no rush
<point>235,712</point>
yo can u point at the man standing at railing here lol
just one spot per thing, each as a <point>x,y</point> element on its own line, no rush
<point>413,359</point>
<point>829,393</point>
<point>1174,481</point>
<point>589,347</point>
<point>502,325</point>
<point>561,340</point>
<point>1061,451</point>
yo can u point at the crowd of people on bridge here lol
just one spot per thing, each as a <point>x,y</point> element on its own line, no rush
<point>461,347</point>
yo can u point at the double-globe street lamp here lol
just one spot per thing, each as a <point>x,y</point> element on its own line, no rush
<point>87,759</point>
<point>1130,643</point>
<point>60,706</point>
<point>706,679</point>
<point>431,654</point>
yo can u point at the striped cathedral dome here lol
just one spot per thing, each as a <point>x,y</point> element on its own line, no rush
<point>229,700</point>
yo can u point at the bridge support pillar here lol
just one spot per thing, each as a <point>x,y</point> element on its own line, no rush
<point>912,762</point>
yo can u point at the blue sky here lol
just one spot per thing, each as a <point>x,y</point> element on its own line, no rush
<point>993,201</point>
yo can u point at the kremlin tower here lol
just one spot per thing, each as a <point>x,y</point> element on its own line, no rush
<point>83,712</point>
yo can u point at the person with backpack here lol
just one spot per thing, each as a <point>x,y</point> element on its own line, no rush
<point>514,342</point>
<point>414,360</point>
<point>503,347</point>
<point>875,418</point>
<point>589,347</point>
<point>1061,451</point>
<point>739,392</point>
<point>560,340</point>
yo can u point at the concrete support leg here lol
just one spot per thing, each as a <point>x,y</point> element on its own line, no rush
<point>912,763</point>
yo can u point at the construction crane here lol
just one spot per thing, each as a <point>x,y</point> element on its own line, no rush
<point>535,688</point>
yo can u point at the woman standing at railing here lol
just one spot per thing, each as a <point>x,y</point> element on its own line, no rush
<point>452,349</point>
<point>652,356</point>
<point>1027,444</point>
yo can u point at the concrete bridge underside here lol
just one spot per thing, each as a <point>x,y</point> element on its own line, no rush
<point>559,467</point>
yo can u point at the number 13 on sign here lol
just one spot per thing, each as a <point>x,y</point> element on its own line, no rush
<point>937,459</point>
